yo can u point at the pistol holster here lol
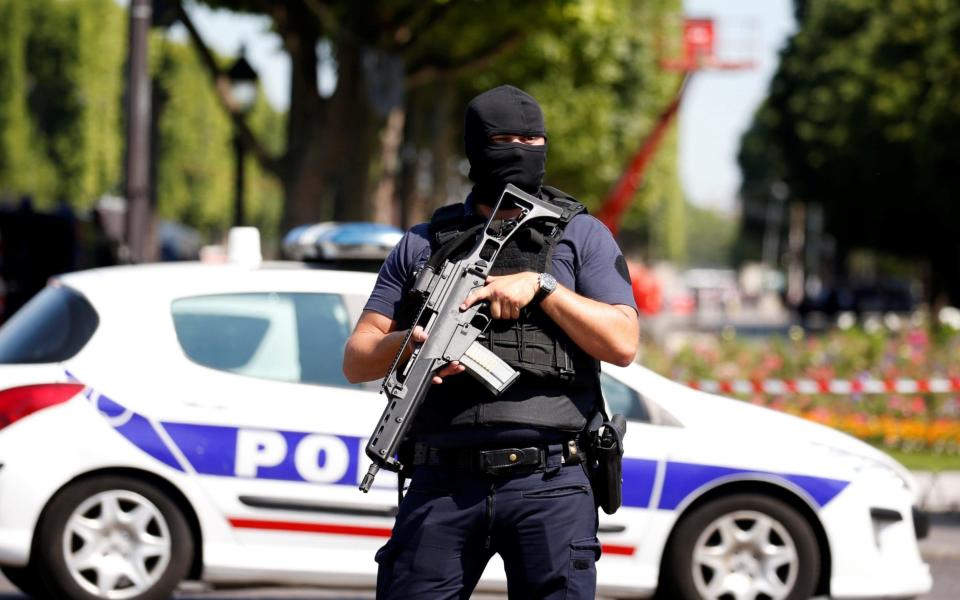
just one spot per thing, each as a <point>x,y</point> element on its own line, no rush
<point>606,463</point>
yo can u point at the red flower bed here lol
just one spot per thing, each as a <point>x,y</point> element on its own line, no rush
<point>916,422</point>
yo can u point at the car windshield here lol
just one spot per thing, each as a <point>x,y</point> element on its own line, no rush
<point>52,327</point>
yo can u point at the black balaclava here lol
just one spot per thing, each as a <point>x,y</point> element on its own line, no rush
<point>504,109</point>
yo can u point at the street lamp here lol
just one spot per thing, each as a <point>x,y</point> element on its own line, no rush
<point>243,92</point>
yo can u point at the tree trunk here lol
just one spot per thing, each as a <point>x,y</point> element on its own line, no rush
<point>945,274</point>
<point>410,157</point>
<point>303,181</point>
<point>428,137</point>
<point>329,143</point>
<point>385,205</point>
<point>351,137</point>
<point>442,148</point>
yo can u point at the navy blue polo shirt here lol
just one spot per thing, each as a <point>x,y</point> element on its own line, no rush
<point>586,260</point>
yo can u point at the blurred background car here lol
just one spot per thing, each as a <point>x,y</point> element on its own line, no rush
<point>860,299</point>
<point>358,246</point>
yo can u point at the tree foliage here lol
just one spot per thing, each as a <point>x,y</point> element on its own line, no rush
<point>710,237</point>
<point>61,117</point>
<point>591,63</point>
<point>601,87</point>
<point>392,128</point>
<point>863,117</point>
<point>18,156</point>
<point>62,73</point>
<point>195,157</point>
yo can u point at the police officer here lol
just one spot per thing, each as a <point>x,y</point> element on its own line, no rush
<point>504,474</point>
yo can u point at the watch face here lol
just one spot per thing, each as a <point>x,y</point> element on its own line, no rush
<point>547,282</point>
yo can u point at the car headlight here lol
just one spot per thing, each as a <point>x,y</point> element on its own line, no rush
<point>864,465</point>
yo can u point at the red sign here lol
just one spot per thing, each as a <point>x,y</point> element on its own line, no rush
<point>698,39</point>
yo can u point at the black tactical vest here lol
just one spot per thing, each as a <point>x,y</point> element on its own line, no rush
<point>558,385</point>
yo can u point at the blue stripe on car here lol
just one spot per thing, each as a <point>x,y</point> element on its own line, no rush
<point>141,432</point>
<point>133,426</point>
<point>821,489</point>
<point>639,476</point>
<point>107,407</point>
<point>682,479</point>
<point>212,449</point>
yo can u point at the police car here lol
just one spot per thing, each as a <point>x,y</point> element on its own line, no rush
<point>190,421</point>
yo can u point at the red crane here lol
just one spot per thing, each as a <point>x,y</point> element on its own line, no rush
<point>698,54</point>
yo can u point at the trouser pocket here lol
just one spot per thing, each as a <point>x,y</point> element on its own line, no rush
<point>558,491</point>
<point>582,571</point>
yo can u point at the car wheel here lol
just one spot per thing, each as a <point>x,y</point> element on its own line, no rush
<point>113,538</point>
<point>26,579</point>
<point>742,546</point>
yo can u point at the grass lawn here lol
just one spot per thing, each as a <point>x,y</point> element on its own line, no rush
<point>919,461</point>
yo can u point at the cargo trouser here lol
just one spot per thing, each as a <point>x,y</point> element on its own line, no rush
<point>451,522</point>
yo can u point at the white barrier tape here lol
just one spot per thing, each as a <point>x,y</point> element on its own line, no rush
<point>779,387</point>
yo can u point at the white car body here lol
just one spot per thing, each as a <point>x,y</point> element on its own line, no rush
<point>269,470</point>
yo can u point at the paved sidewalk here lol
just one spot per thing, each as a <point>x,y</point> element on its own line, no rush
<point>939,491</point>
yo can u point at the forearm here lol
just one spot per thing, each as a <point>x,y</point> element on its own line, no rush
<point>369,354</point>
<point>604,331</point>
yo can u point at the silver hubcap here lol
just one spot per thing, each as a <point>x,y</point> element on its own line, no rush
<point>116,544</point>
<point>745,555</point>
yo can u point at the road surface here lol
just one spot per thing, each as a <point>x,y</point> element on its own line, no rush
<point>941,550</point>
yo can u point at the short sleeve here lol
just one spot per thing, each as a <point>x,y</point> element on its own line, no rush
<point>588,253</point>
<point>412,251</point>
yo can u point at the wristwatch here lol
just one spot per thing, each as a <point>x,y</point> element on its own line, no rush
<point>546,285</point>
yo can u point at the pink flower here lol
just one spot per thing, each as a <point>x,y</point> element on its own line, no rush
<point>917,405</point>
<point>918,338</point>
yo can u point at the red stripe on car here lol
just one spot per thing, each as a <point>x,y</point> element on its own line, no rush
<point>330,528</point>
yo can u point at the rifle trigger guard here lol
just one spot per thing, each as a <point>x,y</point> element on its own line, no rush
<point>481,320</point>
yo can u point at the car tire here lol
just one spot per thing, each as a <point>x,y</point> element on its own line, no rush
<point>115,537</point>
<point>26,579</point>
<point>741,544</point>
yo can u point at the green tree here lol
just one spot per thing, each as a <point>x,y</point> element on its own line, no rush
<point>710,237</point>
<point>598,78</point>
<point>592,63</point>
<point>405,69</point>
<point>60,102</point>
<point>195,158</point>
<point>194,182</point>
<point>98,76</point>
<point>23,168</point>
<point>61,118</point>
<point>862,117</point>
<point>74,94</point>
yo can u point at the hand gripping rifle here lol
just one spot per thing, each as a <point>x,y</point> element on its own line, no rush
<point>451,334</point>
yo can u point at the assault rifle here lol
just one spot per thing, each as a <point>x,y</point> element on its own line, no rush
<point>451,333</point>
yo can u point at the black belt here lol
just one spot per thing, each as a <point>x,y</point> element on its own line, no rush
<point>497,461</point>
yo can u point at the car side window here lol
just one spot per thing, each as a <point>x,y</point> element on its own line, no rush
<point>623,399</point>
<point>293,337</point>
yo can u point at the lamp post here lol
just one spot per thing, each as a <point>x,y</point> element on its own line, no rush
<point>779,192</point>
<point>137,246</point>
<point>243,91</point>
